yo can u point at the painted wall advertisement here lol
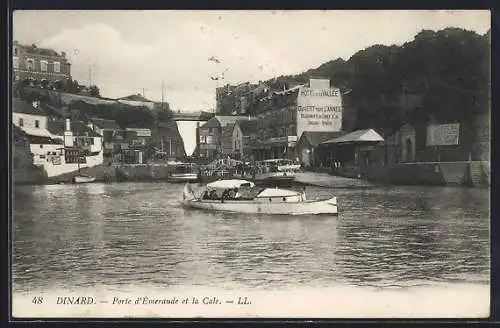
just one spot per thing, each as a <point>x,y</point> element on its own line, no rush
<point>319,110</point>
<point>443,134</point>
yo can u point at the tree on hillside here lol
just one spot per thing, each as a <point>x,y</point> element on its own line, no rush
<point>94,91</point>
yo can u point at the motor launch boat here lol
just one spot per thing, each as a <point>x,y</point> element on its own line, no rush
<point>182,172</point>
<point>244,197</point>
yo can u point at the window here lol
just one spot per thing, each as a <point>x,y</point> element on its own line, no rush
<point>16,51</point>
<point>57,67</point>
<point>43,65</point>
<point>202,139</point>
<point>41,146</point>
<point>21,122</point>
<point>37,123</point>
<point>15,62</point>
<point>209,139</point>
<point>30,64</point>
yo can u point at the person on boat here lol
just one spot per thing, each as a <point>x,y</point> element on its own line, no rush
<point>237,194</point>
<point>225,194</point>
<point>303,195</point>
<point>213,194</point>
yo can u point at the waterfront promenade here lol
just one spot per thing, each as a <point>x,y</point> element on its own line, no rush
<point>326,180</point>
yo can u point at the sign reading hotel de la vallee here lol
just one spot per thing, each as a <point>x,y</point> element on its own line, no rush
<point>319,109</point>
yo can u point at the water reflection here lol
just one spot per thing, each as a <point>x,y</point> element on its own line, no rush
<point>111,234</point>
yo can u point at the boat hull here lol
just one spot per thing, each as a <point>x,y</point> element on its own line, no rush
<point>327,206</point>
<point>190,177</point>
<point>81,179</point>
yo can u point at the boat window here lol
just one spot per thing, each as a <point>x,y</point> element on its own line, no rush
<point>284,198</point>
<point>270,199</point>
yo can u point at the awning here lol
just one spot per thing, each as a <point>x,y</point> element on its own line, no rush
<point>359,136</point>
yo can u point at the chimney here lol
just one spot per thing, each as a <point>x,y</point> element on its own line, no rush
<point>68,125</point>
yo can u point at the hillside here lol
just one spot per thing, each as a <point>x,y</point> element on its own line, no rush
<point>442,75</point>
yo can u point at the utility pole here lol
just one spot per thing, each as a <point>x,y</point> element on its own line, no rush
<point>90,72</point>
<point>162,94</point>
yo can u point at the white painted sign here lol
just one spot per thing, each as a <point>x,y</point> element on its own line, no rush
<point>319,110</point>
<point>443,134</point>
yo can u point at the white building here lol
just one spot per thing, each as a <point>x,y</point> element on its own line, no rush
<point>57,145</point>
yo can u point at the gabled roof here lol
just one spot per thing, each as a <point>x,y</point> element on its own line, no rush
<point>105,124</point>
<point>221,121</point>
<point>225,120</point>
<point>367,135</point>
<point>248,127</point>
<point>78,128</point>
<point>316,138</point>
<point>20,106</point>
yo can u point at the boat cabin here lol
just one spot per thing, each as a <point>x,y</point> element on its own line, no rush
<point>183,168</point>
<point>244,190</point>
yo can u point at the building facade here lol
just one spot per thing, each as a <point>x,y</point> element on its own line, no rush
<point>215,136</point>
<point>57,146</point>
<point>239,99</point>
<point>244,138</point>
<point>285,115</point>
<point>39,66</point>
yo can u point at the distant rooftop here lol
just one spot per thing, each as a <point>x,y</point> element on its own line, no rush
<point>34,49</point>
<point>79,128</point>
<point>220,120</point>
<point>105,124</point>
<point>21,106</point>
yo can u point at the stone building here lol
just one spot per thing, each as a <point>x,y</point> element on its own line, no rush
<point>39,66</point>
<point>283,116</point>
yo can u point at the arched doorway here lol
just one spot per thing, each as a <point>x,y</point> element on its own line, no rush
<point>409,150</point>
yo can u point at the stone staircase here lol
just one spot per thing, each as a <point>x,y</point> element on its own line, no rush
<point>480,173</point>
<point>454,173</point>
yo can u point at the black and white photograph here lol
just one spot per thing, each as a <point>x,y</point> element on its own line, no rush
<point>250,164</point>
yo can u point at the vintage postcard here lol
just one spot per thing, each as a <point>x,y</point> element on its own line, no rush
<point>250,164</point>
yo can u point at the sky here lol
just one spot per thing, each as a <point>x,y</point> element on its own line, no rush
<point>134,51</point>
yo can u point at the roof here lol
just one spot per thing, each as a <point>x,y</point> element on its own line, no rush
<point>20,106</point>
<point>137,97</point>
<point>367,135</point>
<point>222,121</point>
<point>79,128</point>
<point>315,138</point>
<point>105,124</point>
<point>248,127</point>
<point>41,51</point>
<point>295,88</point>
<point>44,140</point>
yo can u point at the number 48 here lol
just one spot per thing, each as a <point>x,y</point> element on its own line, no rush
<point>37,300</point>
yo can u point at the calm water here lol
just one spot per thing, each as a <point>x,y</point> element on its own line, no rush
<point>79,236</point>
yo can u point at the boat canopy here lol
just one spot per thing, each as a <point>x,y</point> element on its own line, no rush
<point>273,192</point>
<point>230,184</point>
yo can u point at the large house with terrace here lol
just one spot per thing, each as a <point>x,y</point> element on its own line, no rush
<point>60,146</point>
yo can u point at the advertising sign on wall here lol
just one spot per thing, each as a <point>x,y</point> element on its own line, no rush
<point>319,110</point>
<point>443,134</point>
